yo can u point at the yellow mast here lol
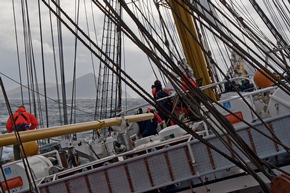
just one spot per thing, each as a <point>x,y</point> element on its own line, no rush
<point>31,135</point>
<point>193,53</point>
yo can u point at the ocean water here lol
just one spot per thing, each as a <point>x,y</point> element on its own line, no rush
<point>83,112</point>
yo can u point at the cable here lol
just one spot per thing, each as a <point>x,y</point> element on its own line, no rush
<point>28,171</point>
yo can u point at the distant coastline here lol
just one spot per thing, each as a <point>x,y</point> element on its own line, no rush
<point>85,89</point>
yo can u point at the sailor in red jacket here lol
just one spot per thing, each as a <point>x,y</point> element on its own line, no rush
<point>23,121</point>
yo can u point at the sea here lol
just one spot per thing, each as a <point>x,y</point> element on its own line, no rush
<point>83,111</point>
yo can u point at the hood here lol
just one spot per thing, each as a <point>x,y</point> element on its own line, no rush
<point>21,109</point>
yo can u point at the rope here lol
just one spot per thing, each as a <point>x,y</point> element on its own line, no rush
<point>164,61</point>
<point>43,73</point>
<point>51,99</point>
<point>28,171</point>
<point>62,69</point>
<point>17,50</point>
<point>55,67</point>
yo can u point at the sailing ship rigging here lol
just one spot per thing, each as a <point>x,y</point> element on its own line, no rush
<point>219,40</point>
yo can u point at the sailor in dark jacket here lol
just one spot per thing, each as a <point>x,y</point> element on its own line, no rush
<point>147,127</point>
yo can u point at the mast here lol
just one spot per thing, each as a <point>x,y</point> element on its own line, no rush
<point>188,36</point>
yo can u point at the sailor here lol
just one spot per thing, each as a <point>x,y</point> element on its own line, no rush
<point>185,88</point>
<point>158,118</point>
<point>147,127</point>
<point>183,83</point>
<point>140,123</point>
<point>156,87</point>
<point>23,121</point>
<point>158,93</point>
<point>150,125</point>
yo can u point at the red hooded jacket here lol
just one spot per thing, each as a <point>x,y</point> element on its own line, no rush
<point>22,117</point>
<point>183,84</point>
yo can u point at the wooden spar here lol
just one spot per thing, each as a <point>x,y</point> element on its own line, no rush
<point>192,51</point>
<point>31,135</point>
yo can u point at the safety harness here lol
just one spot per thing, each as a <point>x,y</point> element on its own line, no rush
<point>21,126</point>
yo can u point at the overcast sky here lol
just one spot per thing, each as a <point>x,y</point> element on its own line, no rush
<point>137,65</point>
<point>8,53</point>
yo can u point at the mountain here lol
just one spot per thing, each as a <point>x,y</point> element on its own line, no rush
<point>85,89</point>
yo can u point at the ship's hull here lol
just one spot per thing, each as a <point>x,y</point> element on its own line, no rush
<point>170,168</point>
